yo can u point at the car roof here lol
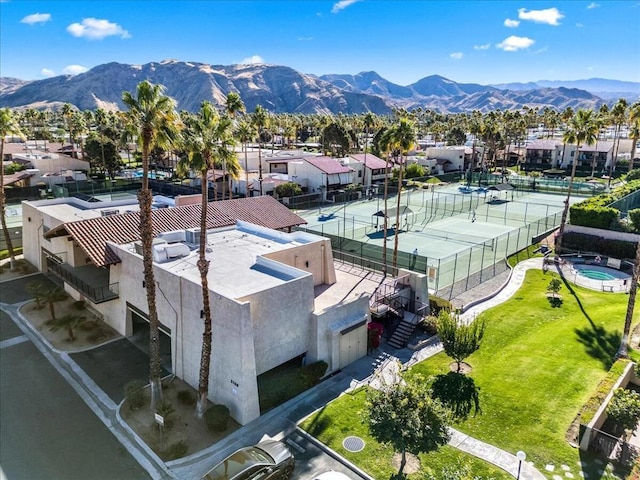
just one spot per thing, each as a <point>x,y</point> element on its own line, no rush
<point>239,462</point>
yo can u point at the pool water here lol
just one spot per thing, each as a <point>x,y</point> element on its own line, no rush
<point>599,273</point>
<point>596,274</point>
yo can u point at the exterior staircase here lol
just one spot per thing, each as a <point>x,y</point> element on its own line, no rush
<point>403,331</point>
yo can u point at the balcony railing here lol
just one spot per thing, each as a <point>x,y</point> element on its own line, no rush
<point>95,293</point>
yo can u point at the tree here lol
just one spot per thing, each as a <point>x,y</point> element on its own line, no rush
<point>582,129</point>
<point>414,170</point>
<point>153,116</point>
<point>259,120</point>
<point>245,132</point>
<point>633,290</point>
<point>8,126</point>
<point>336,139</point>
<point>207,137</point>
<point>104,152</point>
<point>69,322</point>
<point>404,416</point>
<point>554,286</point>
<point>51,297</point>
<point>619,116</point>
<point>624,408</point>
<point>289,189</point>
<point>459,340</point>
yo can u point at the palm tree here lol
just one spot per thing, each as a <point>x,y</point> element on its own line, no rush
<point>8,126</point>
<point>634,132</point>
<point>259,120</point>
<point>207,136</point>
<point>154,117</point>
<point>619,116</point>
<point>581,130</point>
<point>245,133</point>
<point>233,106</point>
<point>624,343</point>
<point>402,137</point>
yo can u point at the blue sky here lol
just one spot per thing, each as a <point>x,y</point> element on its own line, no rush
<point>466,41</point>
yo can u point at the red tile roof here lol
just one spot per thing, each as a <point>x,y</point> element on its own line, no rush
<point>328,165</point>
<point>371,162</point>
<point>92,234</point>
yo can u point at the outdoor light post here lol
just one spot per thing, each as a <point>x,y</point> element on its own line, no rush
<point>521,456</point>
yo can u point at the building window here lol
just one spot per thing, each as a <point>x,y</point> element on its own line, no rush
<point>359,173</point>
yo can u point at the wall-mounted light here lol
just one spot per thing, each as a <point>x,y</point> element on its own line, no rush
<point>144,284</point>
<point>201,313</point>
<point>306,264</point>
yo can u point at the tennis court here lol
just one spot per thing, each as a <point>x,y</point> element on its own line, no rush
<point>456,234</point>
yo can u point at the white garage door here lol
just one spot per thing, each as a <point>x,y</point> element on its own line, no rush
<point>353,345</point>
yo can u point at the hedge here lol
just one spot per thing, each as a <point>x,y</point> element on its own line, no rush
<point>634,216</point>
<point>604,387</point>
<point>591,243</point>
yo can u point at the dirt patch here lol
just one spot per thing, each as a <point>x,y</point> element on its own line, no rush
<point>464,367</point>
<point>23,269</point>
<point>412,465</point>
<point>185,426</point>
<point>90,333</point>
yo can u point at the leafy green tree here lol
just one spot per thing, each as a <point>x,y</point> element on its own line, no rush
<point>336,139</point>
<point>103,151</point>
<point>414,170</point>
<point>404,416</point>
<point>8,126</point>
<point>624,408</point>
<point>69,322</point>
<point>455,136</point>
<point>554,286</point>
<point>289,189</point>
<point>459,340</point>
<point>153,117</point>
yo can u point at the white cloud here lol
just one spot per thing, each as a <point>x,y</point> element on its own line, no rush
<point>36,18</point>
<point>485,46</point>
<point>579,25</point>
<point>342,4</point>
<point>550,16</point>
<point>46,72</point>
<point>513,43</point>
<point>251,60</point>
<point>456,55</point>
<point>593,5</point>
<point>508,22</point>
<point>97,29</point>
<point>74,69</point>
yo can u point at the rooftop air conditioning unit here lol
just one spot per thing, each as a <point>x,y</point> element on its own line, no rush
<point>192,236</point>
<point>106,213</point>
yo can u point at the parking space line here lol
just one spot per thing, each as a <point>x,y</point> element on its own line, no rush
<point>13,341</point>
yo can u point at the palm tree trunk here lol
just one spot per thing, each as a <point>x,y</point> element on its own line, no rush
<point>565,210</point>
<point>70,333</point>
<point>624,343</point>
<point>203,268</point>
<point>145,198</point>
<point>52,310</point>
<point>384,223</point>
<point>3,218</point>
<point>246,172</point>
<point>397,230</point>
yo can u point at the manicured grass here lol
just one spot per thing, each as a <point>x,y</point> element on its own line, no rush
<point>538,365</point>
<point>525,254</point>
<point>343,417</point>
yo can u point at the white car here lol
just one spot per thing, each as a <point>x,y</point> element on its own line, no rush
<point>332,476</point>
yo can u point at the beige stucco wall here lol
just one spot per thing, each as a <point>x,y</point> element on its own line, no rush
<point>315,258</point>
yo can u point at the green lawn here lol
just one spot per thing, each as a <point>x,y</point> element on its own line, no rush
<point>537,366</point>
<point>342,418</point>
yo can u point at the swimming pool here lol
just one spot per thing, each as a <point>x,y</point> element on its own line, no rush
<point>599,273</point>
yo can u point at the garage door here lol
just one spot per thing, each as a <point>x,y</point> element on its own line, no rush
<point>353,345</point>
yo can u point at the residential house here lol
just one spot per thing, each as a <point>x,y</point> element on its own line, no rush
<point>275,295</point>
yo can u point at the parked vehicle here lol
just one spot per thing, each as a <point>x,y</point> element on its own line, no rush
<point>268,460</point>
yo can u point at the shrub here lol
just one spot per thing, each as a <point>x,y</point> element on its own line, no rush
<point>98,335</point>
<point>134,394</point>
<point>633,175</point>
<point>634,216</point>
<point>166,409</point>
<point>217,418</point>
<point>591,243</point>
<point>312,373</point>
<point>429,324</point>
<point>436,304</point>
<point>624,408</point>
<point>604,387</point>
<point>186,397</point>
<point>176,450</point>
<point>79,305</point>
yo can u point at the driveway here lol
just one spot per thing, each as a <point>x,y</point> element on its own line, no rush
<point>115,364</point>
<point>48,432</point>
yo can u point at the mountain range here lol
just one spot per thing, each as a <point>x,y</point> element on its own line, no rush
<point>282,89</point>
